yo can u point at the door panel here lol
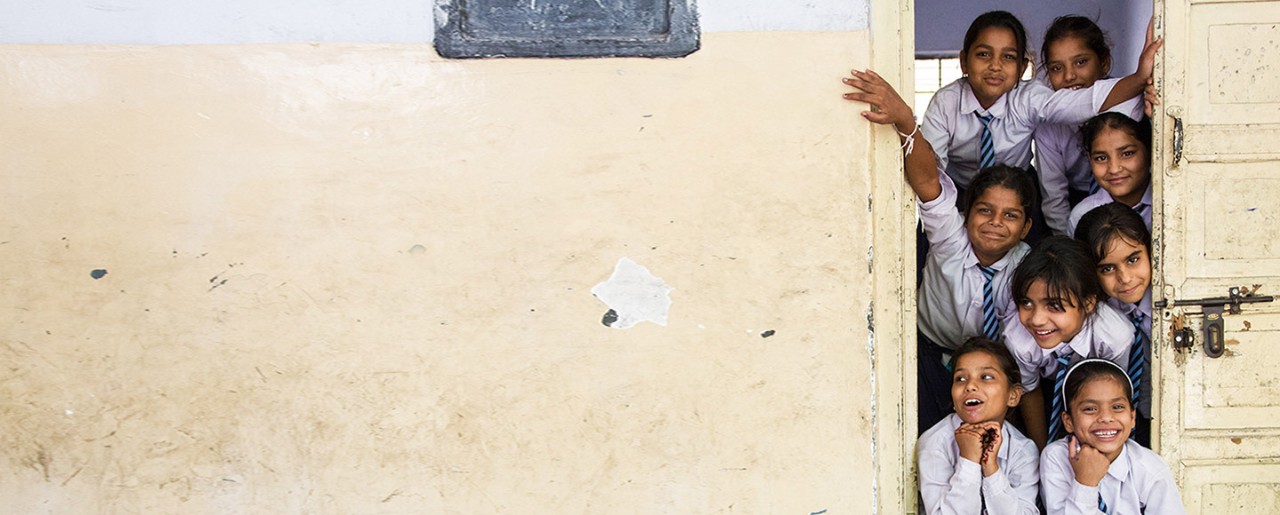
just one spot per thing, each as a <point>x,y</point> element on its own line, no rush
<point>1231,223</point>
<point>1238,390</point>
<point>1233,82</point>
<point>1233,488</point>
<point>1217,226</point>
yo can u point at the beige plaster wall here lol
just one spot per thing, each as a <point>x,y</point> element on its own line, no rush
<point>356,279</point>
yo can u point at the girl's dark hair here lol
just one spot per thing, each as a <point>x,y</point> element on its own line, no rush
<point>1011,177</point>
<point>997,350</point>
<point>1080,27</point>
<point>1091,370</point>
<point>1067,268</point>
<point>1103,224</point>
<point>1139,129</point>
<point>997,19</point>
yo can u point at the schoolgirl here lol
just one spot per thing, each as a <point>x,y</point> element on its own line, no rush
<point>1099,469</point>
<point>1061,319</point>
<point>1119,150</point>
<point>974,461</point>
<point>965,286</point>
<point>1075,54</point>
<point>1121,243</point>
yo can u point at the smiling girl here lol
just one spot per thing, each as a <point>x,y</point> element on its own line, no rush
<point>1061,319</point>
<point>1119,151</point>
<point>1099,469</point>
<point>974,461</point>
<point>1121,243</point>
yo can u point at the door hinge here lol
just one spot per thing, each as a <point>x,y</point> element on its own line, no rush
<point>1213,309</point>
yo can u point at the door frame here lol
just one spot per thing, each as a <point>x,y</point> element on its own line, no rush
<point>891,317</point>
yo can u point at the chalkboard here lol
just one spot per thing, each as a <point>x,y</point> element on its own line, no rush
<point>566,28</point>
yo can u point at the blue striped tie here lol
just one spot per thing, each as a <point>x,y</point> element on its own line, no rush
<point>990,325</point>
<point>1055,411</point>
<point>1137,354</point>
<point>1102,505</point>
<point>987,150</point>
<point>1093,186</point>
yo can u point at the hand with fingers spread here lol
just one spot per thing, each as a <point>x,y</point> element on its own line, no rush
<point>887,106</point>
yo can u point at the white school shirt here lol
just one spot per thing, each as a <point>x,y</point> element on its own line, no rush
<point>950,484</point>
<point>1062,164</point>
<point>1143,306</point>
<point>1138,481</point>
<point>949,302</point>
<point>1100,198</point>
<point>1106,334</point>
<point>954,131</point>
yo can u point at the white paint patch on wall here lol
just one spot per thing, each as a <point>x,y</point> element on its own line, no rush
<point>633,296</point>
<point>185,22</point>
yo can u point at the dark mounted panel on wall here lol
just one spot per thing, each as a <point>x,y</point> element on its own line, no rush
<point>566,28</point>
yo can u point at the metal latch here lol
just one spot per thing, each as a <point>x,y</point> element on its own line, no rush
<point>1183,337</point>
<point>1213,309</point>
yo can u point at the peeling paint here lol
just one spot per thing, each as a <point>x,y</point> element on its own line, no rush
<point>634,295</point>
<point>98,273</point>
<point>875,415</point>
<point>767,333</point>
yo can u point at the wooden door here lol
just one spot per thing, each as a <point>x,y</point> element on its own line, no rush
<point>1218,226</point>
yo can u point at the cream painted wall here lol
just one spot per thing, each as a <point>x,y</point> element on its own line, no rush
<point>167,22</point>
<point>356,279</point>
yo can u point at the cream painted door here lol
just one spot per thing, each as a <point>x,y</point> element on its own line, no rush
<point>1219,227</point>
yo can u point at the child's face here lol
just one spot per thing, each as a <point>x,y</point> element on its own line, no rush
<point>1051,320</point>
<point>1100,416</point>
<point>992,64</point>
<point>1125,271</point>
<point>1121,165</point>
<point>995,223</point>
<point>980,390</point>
<point>1071,64</point>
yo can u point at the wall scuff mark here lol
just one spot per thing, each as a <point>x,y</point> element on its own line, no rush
<point>610,317</point>
<point>633,296</point>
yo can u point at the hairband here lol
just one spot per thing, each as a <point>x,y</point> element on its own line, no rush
<point>1091,360</point>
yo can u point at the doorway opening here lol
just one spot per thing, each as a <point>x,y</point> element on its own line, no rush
<point>940,27</point>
